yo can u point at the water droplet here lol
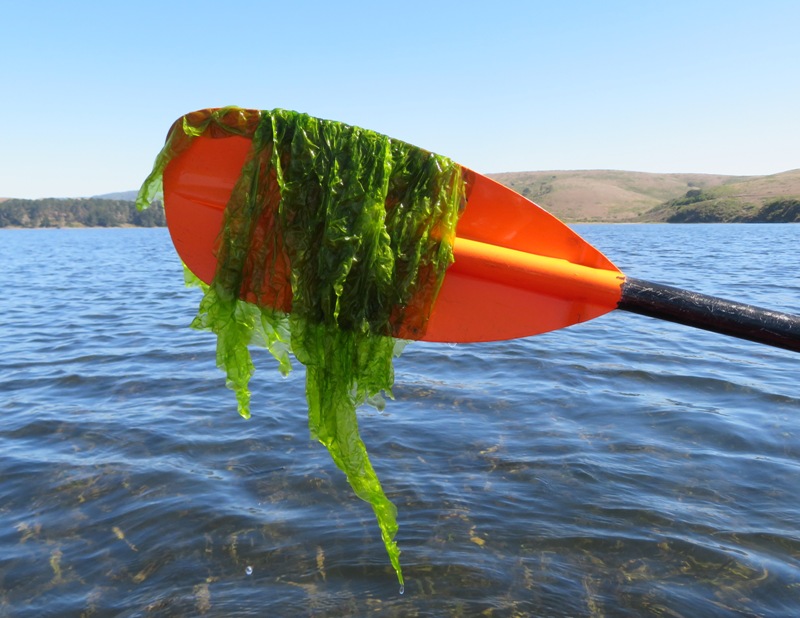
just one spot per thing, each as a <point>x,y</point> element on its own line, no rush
<point>402,589</point>
<point>249,570</point>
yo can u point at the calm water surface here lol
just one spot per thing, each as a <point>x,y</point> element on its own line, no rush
<point>624,467</point>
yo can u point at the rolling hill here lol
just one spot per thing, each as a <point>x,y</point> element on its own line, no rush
<point>619,196</point>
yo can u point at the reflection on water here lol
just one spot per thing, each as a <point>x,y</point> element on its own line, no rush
<point>623,467</point>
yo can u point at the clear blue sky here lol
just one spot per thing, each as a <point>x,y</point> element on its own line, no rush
<point>88,89</point>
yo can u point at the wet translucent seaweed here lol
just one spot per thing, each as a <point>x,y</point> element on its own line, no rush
<point>334,245</point>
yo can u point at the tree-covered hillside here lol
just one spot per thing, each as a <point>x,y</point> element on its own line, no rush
<point>78,212</point>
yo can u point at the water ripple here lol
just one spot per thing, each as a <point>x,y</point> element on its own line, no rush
<point>622,467</point>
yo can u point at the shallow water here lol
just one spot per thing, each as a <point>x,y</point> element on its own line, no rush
<point>623,467</point>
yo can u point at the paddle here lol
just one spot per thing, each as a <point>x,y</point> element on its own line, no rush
<point>335,237</point>
<point>518,270</point>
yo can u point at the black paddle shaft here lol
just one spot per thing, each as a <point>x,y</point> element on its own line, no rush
<point>781,330</point>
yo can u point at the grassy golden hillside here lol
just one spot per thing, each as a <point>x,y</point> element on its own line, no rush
<point>609,196</point>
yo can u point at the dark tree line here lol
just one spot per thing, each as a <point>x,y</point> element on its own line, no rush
<point>780,211</point>
<point>701,207</point>
<point>89,212</point>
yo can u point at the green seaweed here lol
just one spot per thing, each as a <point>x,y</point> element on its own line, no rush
<point>334,245</point>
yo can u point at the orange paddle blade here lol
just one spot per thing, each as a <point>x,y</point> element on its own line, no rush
<point>518,270</point>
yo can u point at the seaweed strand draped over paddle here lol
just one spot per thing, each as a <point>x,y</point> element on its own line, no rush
<point>334,245</point>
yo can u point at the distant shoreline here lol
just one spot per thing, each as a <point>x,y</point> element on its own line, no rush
<point>86,227</point>
<point>78,212</point>
<point>586,196</point>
